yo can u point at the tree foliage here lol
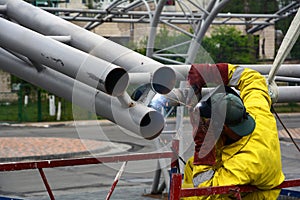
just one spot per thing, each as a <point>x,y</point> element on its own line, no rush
<point>265,7</point>
<point>166,42</point>
<point>227,44</point>
<point>250,6</point>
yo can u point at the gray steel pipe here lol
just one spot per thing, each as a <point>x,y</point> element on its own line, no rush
<point>196,41</point>
<point>79,65</point>
<point>177,97</point>
<point>164,78</point>
<point>153,27</point>
<point>141,120</point>
<point>286,46</point>
<point>288,94</point>
<point>288,70</point>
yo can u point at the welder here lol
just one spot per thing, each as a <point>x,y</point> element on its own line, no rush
<point>235,135</point>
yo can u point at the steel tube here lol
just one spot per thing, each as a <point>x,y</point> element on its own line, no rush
<point>2,8</point>
<point>196,41</point>
<point>141,120</point>
<point>288,70</point>
<point>153,27</point>
<point>30,16</point>
<point>287,44</point>
<point>139,78</point>
<point>63,39</point>
<point>79,65</point>
<point>46,183</point>
<point>285,93</point>
<point>17,166</point>
<point>287,79</point>
<point>288,94</point>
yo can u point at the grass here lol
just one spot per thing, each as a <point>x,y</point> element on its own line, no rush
<point>287,108</point>
<point>13,112</point>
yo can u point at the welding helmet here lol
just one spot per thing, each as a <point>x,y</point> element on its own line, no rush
<point>229,107</point>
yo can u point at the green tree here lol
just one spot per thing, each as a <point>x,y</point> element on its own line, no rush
<point>166,42</point>
<point>284,25</point>
<point>249,6</point>
<point>265,7</point>
<point>227,44</point>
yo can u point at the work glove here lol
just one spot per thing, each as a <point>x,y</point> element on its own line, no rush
<point>205,151</point>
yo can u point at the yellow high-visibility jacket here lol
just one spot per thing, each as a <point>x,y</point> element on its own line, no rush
<point>253,160</point>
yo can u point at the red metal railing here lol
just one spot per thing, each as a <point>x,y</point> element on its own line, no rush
<point>40,165</point>
<point>176,192</point>
<point>82,161</point>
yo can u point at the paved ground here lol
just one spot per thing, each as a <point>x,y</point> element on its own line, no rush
<point>39,148</point>
<point>33,148</point>
<point>28,146</point>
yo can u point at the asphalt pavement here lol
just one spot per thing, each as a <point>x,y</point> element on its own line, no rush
<point>61,140</point>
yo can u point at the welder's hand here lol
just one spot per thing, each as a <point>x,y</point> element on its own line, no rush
<point>205,151</point>
<point>193,96</point>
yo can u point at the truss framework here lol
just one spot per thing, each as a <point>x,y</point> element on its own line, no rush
<point>127,14</point>
<point>193,13</point>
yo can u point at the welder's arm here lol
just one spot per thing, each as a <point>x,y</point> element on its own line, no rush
<point>201,75</point>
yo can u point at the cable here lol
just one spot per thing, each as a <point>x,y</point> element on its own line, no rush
<point>273,110</point>
<point>178,156</point>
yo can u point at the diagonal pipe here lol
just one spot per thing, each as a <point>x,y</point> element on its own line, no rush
<point>139,119</point>
<point>79,65</point>
<point>164,78</point>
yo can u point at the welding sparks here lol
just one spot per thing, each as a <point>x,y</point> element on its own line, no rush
<point>163,101</point>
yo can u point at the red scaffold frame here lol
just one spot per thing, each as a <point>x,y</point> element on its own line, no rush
<point>40,165</point>
<point>176,192</point>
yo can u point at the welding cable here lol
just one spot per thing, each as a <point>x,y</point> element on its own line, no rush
<point>178,156</point>
<point>290,135</point>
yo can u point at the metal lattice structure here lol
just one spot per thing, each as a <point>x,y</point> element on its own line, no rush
<point>198,15</point>
<point>74,53</point>
<point>51,52</point>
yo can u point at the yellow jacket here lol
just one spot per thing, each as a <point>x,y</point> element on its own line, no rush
<point>255,159</point>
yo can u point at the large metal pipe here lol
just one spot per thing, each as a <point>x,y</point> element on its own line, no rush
<point>79,65</point>
<point>215,7</point>
<point>288,70</point>
<point>285,93</point>
<point>141,120</point>
<point>286,46</point>
<point>177,97</point>
<point>288,94</point>
<point>164,78</point>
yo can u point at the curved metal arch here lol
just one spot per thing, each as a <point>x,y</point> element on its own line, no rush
<point>109,9</point>
<point>157,19</point>
<point>196,41</point>
<point>153,27</point>
<point>148,9</point>
<point>91,25</point>
<point>203,24</point>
